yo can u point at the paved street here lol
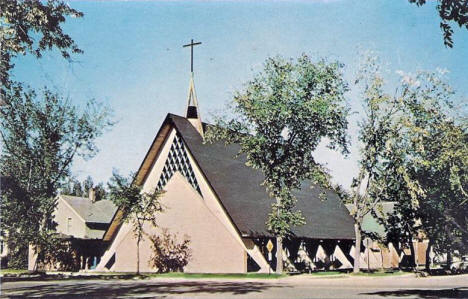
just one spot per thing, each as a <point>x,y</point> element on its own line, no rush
<point>291,287</point>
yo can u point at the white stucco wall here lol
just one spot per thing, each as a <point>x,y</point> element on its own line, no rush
<point>209,198</point>
<point>191,206</point>
<point>213,248</point>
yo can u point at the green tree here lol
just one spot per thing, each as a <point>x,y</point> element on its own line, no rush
<point>414,152</point>
<point>429,158</point>
<point>376,129</point>
<point>77,189</point>
<point>33,26</point>
<point>279,119</point>
<point>100,191</point>
<point>450,11</point>
<point>138,207</point>
<point>41,135</point>
<point>67,187</point>
<point>87,184</point>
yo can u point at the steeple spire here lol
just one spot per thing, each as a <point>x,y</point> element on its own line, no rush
<point>193,112</point>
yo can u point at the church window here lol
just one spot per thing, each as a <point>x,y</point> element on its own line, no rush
<point>178,160</point>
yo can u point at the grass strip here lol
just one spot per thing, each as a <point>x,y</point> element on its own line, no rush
<point>216,275</point>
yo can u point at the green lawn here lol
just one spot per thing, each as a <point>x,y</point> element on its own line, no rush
<point>13,271</point>
<point>155,275</point>
<point>128,275</point>
<point>334,274</point>
<point>379,273</point>
<point>321,273</point>
<point>212,275</point>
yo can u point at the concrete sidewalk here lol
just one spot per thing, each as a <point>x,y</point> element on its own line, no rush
<point>301,286</point>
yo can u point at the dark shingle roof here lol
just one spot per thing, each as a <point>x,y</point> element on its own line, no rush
<point>100,211</point>
<point>246,201</point>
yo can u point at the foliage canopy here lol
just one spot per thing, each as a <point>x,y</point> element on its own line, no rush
<point>427,169</point>
<point>33,27</point>
<point>450,11</point>
<point>41,135</point>
<point>279,119</point>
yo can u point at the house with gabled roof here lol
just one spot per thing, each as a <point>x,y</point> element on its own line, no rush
<point>218,202</point>
<point>82,217</point>
<point>82,222</point>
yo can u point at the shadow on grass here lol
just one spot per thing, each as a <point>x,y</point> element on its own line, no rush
<point>156,289</point>
<point>417,293</point>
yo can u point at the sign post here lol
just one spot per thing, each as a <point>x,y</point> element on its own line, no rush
<point>269,247</point>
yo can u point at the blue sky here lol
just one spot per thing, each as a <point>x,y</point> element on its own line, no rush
<point>134,61</point>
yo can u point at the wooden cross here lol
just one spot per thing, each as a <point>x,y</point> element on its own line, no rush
<point>191,45</point>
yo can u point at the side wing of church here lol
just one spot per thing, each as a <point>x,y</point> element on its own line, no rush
<point>217,201</point>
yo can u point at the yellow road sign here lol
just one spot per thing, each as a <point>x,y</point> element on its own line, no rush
<point>269,246</point>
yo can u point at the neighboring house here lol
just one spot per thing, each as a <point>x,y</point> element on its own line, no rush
<point>376,255</point>
<point>83,222</point>
<point>82,217</point>
<point>219,203</point>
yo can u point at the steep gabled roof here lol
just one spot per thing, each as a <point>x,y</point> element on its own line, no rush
<point>239,189</point>
<point>100,211</point>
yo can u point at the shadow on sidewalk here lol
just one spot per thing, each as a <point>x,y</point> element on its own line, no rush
<point>440,293</point>
<point>138,288</point>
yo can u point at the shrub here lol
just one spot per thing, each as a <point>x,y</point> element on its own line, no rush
<point>170,255</point>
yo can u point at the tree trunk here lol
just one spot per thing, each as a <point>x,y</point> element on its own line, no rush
<point>382,267</point>
<point>449,258</point>
<point>413,262</point>
<point>357,247</point>
<point>36,262</point>
<point>428,256</point>
<point>368,254</point>
<point>279,244</point>
<point>138,255</point>
<point>279,255</point>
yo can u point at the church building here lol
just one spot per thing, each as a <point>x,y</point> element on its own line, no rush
<point>217,202</point>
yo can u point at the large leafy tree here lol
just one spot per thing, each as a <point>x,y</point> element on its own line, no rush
<point>414,149</point>
<point>40,140</point>
<point>41,135</point>
<point>279,119</point>
<point>428,160</point>
<point>450,11</point>
<point>33,26</point>
<point>376,129</point>
<point>137,207</point>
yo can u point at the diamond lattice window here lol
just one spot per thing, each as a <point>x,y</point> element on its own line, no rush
<point>178,160</point>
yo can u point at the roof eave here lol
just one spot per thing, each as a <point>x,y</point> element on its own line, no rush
<point>142,173</point>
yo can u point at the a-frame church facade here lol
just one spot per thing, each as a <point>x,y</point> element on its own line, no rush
<point>217,201</point>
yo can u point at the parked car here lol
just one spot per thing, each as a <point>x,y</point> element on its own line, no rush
<point>460,266</point>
